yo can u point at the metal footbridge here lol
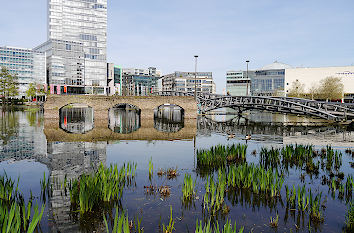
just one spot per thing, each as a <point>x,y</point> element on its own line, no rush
<point>286,105</point>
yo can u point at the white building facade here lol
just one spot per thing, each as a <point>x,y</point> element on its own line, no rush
<point>238,83</point>
<point>312,77</point>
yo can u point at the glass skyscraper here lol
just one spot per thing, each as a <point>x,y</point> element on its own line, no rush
<point>28,65</point>
<point>71,24</point>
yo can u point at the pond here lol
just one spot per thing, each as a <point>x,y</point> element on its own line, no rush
<point>168,148</point>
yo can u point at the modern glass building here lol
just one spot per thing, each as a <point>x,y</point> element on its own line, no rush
<point>77,30</point>
<point>185,82</point>
<point>269,80</point>
<point>28,65</point>
<point>238,83</point>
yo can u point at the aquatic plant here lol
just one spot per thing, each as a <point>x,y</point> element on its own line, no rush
<point>15,214</point>
<point>303,200</point>
<point>226,228</point>
<point>151,168</point>
<point>171,224</point>
<point>188,187</point>
<point>89,191</point>
<point>256,178</point>
<point>274,221</point>
<point>120,223</point>
<point>214,193</point>
<point>171,173</point>
<point>218,156</point>
<point>349,218</point>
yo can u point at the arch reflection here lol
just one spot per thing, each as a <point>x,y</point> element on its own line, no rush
<point>76,118</point>
<point>169,118</point>
<point>124,118</point>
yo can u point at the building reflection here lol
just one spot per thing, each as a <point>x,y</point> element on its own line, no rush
<point>169,118</point>
<point>76,119</point>
<point>124,119</point>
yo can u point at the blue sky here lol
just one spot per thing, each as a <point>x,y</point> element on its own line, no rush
<point>224,33</point>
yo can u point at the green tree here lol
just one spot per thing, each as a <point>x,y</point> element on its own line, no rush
<point>331,88</point>
<point>32,91</point>
<point>8,84</point>
<point>297,89</point>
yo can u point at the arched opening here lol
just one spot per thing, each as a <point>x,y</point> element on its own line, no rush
<point>76,118</point>
<point>169,118</point>
<point>124,118</point>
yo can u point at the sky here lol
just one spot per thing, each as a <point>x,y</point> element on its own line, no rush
<point>224,33</point>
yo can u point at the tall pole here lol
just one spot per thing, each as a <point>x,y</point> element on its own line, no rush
<point>247,76</point>
<point>195,77</point>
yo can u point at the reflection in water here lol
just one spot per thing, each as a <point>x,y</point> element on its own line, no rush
<point>124,119</point>
<point>169,118</point>
<point>76,119</point>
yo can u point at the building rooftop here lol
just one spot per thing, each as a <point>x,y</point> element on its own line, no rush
<point>276,66</point>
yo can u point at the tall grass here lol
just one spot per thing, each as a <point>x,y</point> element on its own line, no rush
<point>226,228</point>
<point>255,178</point>
<point>349,218</point>
<point>15,214</point>
<point>218,156</point>
<point>90,191</point>
<point>215,193</point>
<point>188,187</point>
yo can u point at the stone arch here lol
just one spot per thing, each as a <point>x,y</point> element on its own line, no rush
<point>124,118</point>
<point>172,112</point>
<point>76,118</point>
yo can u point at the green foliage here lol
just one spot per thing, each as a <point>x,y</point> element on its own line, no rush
<point>15,214</point>
<point>8,84</point>
<point>214,193</point>
<point>151,168</point>
<point>349,218</point>
<point>219,156</point>
<point>171,224</point>
<point>188,187</point>
<point>120,223</point>
<point>256,178</point>
<point>227,228</point>
<point>90,191</point>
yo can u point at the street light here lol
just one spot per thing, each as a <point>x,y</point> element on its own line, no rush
<point>195,77</point>
<point>247,75</point>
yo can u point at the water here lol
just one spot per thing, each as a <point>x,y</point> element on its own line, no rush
<point>31,146</point>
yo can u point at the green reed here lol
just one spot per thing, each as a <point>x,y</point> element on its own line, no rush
<point>255,178</point>
<point>349,218</point>
<point>227,228</point>
<point>218,156</point>
<point>215,192</point>
<point>15,214</point>
<point>106,185</point>
<point>303,200</point>
<point>171,224</point>
<point>120,223</point>
<point>188,187</point>
<point>151,168</point>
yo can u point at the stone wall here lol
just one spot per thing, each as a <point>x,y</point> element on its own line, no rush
<point>101,104</point>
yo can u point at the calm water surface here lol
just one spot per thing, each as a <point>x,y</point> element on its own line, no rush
<point>30,147</point>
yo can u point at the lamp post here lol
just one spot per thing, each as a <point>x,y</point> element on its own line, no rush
<point>195,77</point>
<point>247,75</point>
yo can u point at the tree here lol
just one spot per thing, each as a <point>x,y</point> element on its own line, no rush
<point>8,84</point>
<point>313,92</point>
<point>32,91</point>
<point>297,89</point>
<point>331,88</point>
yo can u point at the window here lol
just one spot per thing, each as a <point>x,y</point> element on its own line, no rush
<point>68,47</point>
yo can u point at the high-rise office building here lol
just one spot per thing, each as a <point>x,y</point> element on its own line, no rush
<point>71,24</point>
<point>238,83</point>
<point>28,65</point>
<point>185,82</point>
